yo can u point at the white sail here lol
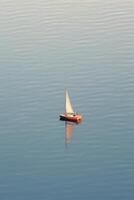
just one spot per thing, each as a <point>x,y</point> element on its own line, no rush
<point>69,109</point>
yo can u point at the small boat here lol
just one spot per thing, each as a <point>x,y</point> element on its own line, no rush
<point>69,114</point>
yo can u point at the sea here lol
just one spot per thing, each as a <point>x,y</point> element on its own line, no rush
<point>86,46</point>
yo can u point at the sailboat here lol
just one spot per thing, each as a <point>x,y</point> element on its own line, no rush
<point>69,114</point>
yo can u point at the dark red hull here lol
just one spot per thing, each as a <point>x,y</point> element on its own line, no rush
<point>73,118</point>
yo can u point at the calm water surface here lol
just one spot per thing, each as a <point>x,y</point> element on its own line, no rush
<point>88,47</point>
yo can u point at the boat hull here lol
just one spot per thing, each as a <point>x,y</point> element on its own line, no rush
<point>73,118</point>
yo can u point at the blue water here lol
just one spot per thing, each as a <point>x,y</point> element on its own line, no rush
<point>88,47</point>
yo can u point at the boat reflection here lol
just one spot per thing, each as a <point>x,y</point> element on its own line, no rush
<point>68,131</point>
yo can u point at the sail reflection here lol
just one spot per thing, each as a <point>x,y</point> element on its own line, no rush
<point>68,128</point>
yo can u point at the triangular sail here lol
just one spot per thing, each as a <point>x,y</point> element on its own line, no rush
<point>69,109</point>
